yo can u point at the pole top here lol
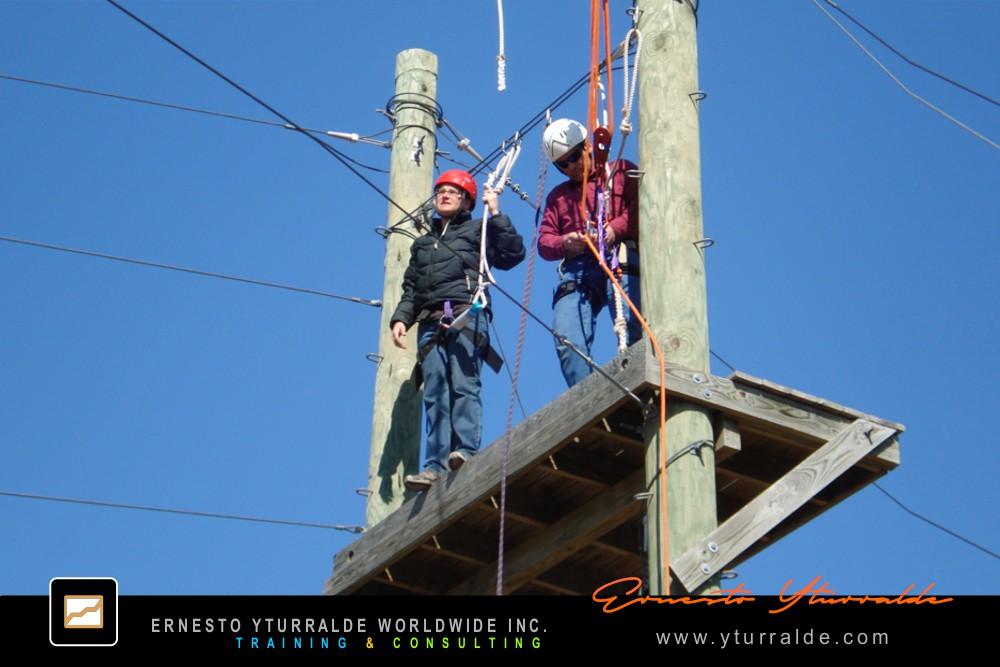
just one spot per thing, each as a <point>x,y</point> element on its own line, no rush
<point>416,59</point>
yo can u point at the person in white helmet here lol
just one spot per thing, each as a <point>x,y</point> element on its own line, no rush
<point>583,288</point>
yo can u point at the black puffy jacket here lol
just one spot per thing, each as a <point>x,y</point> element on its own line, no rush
<point>444,263</point>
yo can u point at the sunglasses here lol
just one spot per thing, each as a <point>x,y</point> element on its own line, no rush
<point>569,159</point>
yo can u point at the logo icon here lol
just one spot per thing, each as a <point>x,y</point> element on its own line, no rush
<point>83,612</point>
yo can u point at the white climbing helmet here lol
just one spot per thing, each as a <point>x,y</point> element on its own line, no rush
<point>561,136</point>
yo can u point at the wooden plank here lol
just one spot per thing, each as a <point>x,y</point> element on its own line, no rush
<point>590,468</point>
<point>531,441</point>
<point>759,410</point>
<point>786,495</point>
<point>624,541</point>
<point>530,508</point>
<point>418,578</point>
<point>727,438</point>
<point>567,535</point>
<point>746,380</point>
<point>624,441</point>
<point>554,588</point>
<point>572,580</point>
<point>464,545</point>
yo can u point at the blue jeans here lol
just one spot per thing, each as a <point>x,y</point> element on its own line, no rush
<point>452,403</point>
<point>574,312</point>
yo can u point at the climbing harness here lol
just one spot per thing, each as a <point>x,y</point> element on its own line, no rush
<point>451,322</point>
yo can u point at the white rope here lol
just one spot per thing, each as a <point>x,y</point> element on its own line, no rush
<point>498,178</point>
<point>496,182</point>
<point>604,117</point>
<point>621,327</point>
<point>501,58</point>
<point>626,124</point>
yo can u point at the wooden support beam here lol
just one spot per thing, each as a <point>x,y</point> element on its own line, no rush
<point>761,410</point>
<point>464,545</point>
<point>525,507</point>
<point>714,552</point>
<point>624,441</point>
<point>571,580</point>
<point>591,469</point>
<point>565,536</point>
<point>727,439</point>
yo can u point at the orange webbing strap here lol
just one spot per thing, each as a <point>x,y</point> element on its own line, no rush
<point>607,60</point>
<point>596,13</point>
<point>598,8</point>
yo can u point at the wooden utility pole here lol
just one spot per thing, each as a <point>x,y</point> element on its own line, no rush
<point>673,275</point>
<point>395,444</point>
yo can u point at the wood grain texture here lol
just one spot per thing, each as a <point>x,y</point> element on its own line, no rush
<point>765,411</point>
<point>786,495</point>
<point>673,268</point>
<point>398,405</point>
<point>531,441</point>
<point>565,536</point>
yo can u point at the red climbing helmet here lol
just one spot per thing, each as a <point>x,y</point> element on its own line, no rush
<point>461,180</point>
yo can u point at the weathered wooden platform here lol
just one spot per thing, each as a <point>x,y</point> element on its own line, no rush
<point>576,467</point>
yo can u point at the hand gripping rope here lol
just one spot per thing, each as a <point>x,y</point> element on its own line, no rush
<point>495,181</point>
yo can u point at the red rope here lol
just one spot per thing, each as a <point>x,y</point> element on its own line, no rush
<point>542,170</point>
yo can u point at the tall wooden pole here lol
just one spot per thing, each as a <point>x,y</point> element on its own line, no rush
<point>673,274</point>
<point>395,443</point>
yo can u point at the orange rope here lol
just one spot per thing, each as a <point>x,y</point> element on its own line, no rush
<point>607,59</point>
<point>597,9</point>
<point>595,32</point>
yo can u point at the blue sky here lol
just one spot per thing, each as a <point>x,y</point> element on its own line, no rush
<point>855,246</point>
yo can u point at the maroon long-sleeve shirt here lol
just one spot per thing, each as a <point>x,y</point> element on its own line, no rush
<point>563,215</point>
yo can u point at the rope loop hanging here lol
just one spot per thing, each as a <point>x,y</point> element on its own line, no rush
<point>629,92</point>
<point>501,58</point>
<point>496,182</point>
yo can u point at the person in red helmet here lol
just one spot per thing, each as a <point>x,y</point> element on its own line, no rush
<point>439,288</point>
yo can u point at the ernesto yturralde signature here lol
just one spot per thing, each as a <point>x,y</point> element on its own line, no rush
<point>621,593</point>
